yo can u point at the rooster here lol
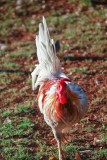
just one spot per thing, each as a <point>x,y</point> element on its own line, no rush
<point>62,102</point>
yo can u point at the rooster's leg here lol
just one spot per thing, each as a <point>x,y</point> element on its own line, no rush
<point>58,137</point>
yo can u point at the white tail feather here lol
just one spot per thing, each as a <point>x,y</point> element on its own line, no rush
<point>49,64</point>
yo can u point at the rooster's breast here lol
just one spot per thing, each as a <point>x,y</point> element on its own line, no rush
<point>57,113</point>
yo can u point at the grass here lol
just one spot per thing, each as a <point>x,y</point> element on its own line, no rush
<point>70,150</point>
<point>15,132</point>
<point>98,100</point>
<point>11,65</point>
<point>4,79</point>
<point>21,153</point>
<point>101,153</point>
<point>80,69</point>
<point>13,126</point>
<point>77,28</point>
<point>24,48</point>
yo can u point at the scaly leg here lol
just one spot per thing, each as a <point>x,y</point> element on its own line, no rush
<point>58,139</point>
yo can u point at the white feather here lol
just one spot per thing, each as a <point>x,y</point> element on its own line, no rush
<point>49,64</point>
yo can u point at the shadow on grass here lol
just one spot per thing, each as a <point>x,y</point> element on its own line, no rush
<point>81,58</point>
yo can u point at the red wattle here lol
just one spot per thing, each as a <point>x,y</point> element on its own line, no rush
<point>63,99</point>
<point>60,91</point>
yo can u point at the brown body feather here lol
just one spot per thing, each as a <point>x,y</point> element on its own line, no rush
<point>65,114</point>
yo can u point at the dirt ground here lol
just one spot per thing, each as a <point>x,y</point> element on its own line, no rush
<point>82,32</point>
